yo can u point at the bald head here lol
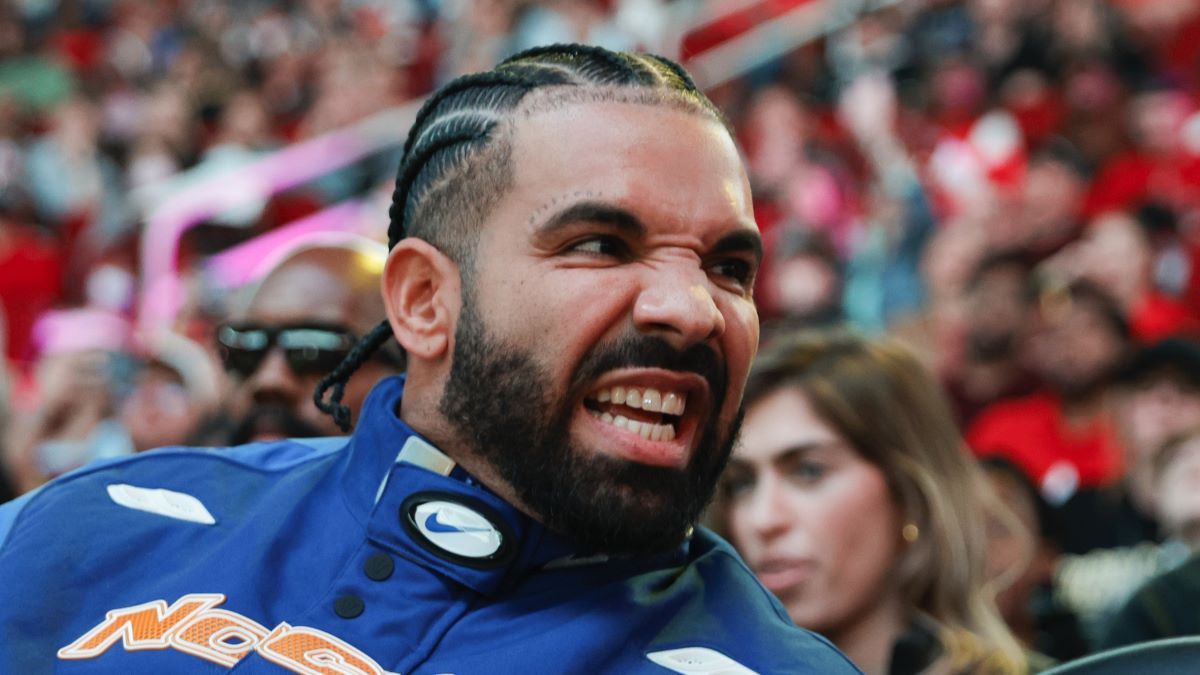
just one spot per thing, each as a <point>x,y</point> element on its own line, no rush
<point>323,283</point>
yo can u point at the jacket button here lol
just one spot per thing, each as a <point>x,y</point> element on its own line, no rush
<point>348,606</point>
<point>379,566</point>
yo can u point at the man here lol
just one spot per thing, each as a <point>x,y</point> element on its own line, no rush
<point>1064,438</point>
<point>1137,527</point>
<point>999,307</point>
<point>300,320</point>
<point>572,256</point>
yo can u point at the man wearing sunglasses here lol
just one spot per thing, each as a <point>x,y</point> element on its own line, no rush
<point>572,256</point>
<point>299,323</point>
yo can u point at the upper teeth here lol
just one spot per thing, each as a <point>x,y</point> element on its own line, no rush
<point>670,403</point>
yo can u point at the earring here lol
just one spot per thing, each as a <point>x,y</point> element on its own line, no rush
<point>910,532</point>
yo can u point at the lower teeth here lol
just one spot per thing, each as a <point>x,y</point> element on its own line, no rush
<point>647,430</point>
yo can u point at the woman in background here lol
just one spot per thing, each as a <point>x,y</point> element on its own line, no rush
<point>852,499</point>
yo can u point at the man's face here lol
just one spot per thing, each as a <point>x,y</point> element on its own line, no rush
<point>997,313</point>
<point>1178,496</point>
<point>273,399</point>
<point>621,261</point>
<point>1076,349</point>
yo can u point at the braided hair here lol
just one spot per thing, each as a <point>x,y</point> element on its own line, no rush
<point>456,163</point>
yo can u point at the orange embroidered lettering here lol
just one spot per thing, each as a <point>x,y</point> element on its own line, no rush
<point>219,636</point>
<point>145,626</point>
<point>313,652</point>
<point>193,626</point>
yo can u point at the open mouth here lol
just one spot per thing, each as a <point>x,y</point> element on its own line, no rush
<point>653,414</point>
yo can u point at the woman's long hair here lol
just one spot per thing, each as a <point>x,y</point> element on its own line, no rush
<point>882,399</point>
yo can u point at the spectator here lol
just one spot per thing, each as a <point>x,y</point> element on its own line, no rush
<point>299,322</point>
<point>999,310</point>
<point>1177,484</point>
<point>1115,254</point>
<point>70,178</point>
<point>884,285</point>
<point>1021,562</point>
<point>1165,606</point>
<point>1159,399</point>
<point>850,497</point>
<point>803,282</point>
<point>1064,437</point>
<point>548,452</point>
<point>174,388</point>
<point>83,368</point>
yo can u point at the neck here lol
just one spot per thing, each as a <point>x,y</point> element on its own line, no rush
<point>1081,409</point>
<point>419,410</point>
<point>868,640</point>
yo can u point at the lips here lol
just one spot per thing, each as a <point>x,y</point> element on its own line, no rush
<point>651,414</point>
<point>781,575</point>
<point>648,412</point>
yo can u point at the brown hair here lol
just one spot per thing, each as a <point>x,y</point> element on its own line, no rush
<point>880,398</point>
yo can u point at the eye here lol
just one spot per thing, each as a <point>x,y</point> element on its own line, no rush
<point>600,245</point>
<point>738,270</point>
<point>807,471</point>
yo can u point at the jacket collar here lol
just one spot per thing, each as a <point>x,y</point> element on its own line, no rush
<point>399,485</point>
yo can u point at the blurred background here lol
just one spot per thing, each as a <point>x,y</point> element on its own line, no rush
<point>1012,187</point>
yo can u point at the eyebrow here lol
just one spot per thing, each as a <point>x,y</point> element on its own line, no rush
<point>796,451</point>
<point>742,241</point>
<point>594,212</point>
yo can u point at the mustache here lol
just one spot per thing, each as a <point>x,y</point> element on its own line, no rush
<point>271,418</point>
<point>645,351</point>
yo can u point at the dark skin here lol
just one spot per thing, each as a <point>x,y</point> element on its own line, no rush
<point>327,286</point>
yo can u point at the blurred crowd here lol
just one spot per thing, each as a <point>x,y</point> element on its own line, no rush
<point>1010,187</point>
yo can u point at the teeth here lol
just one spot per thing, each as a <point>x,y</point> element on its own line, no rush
<point>652,400</point>
<point>647,430</point>
<point>670,403</point>
<point>633,398</point>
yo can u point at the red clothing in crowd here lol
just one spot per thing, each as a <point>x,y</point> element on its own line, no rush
<point>1158,316</point>
<point>1031,432</point>
<point>31,269</point>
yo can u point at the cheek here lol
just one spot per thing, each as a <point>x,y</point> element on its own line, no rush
<point>856,537</point>
<point>741,533</point>
<point>740,341</point>
<point>861,527</point>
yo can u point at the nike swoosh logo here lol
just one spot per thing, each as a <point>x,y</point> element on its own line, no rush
<point>434,525</point>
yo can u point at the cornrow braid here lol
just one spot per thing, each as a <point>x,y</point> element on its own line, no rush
<point>362,350</point>
<point>456,166</point>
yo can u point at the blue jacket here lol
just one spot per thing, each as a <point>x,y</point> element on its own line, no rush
<point>371,554</point>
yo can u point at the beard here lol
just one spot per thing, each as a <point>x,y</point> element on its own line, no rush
<point>272,420</point>
<point>991,347</point>
<point>606,504</point>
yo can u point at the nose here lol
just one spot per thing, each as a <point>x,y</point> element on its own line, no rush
<point>274,381</point>
<point>677,303</point>
<point>767,515</point>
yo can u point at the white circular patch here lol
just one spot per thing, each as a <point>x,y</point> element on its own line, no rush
<point>457,529</point>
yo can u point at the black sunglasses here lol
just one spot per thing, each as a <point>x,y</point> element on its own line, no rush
<point>309,349</point>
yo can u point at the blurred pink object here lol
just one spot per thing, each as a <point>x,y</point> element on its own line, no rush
<point>64,331</point>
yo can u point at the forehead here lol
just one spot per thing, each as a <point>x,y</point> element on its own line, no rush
<point>299,293</point>
<point>676,170</point>
<point>781,420</point>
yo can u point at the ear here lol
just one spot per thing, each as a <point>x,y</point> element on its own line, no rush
<point>422,293</point>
